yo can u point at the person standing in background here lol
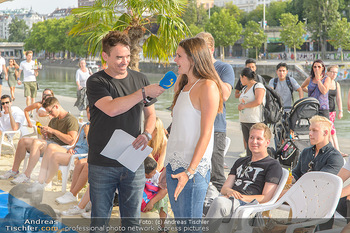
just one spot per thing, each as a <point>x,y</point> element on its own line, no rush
<point>12,75</point>
<point>81,76</point>
<point>227,80</point>
<point>3,71</point>
<point>29,78</point>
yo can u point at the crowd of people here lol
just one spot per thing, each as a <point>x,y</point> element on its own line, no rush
<point>183,161</point>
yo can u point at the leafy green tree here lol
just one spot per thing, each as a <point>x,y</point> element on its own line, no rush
<point>274,12</point>
<point>344,8</point>
<point>18,30</point>
<point>234,10</point>
<point>321,15</point>
<point>225,29</point>
<point>255,15</point>
<point>97,20</point>
<point>340,35</point>
<point>292,32</point>
<point>254,36</point>
<point>36,40</point>
<point>195,29</point>
<point>295,7</point>
<point>191,12</point>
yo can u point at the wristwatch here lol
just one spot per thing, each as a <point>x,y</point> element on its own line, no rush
<point>148,135</point>
<point>190,176</point>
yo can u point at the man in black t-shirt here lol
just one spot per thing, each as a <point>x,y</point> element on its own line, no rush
<point>251,178</point>
<point>117,98</point>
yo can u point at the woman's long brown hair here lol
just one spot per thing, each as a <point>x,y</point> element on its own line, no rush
<point>203,68</point>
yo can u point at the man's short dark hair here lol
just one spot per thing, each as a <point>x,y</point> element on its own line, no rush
<point>150,165</point>
<point>113,38</point>
<point>6,97</point>
<point>282,64</point>
<point>250,60</point>
<point>50,101</point>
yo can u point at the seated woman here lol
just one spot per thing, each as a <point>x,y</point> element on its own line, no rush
<point>51,162</point>
<point>251,179</point>
<point>40,115</point>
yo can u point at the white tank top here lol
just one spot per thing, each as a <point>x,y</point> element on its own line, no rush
<point>185,133</point>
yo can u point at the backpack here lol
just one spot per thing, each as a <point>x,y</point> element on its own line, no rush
<point>273,108</point>
<point>289,84</point>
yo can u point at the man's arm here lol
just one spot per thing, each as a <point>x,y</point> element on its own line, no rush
<point>4,70</point>
<point>226,90</point>
<point>114,107</point>
<point>267,194</point>
<point>344,174</point>
<point>14,125</point>
<point>68,138</point>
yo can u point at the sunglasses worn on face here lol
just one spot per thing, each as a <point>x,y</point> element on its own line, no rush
<point>317,67</point>
<point>50,112</point>
<point>3,103</point>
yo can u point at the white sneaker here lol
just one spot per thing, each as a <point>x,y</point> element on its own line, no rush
<point>68,197</point>
<point>86,214</point>
<point>21,178</point>
<point>36,187</point>
<point>9,174</point>
<point>75,210</point>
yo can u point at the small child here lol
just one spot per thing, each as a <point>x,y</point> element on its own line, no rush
<point>154,198</point>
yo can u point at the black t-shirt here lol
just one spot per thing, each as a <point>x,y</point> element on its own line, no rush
<point>251,176</point>
<point>102,126</point>
<point>258,78</point>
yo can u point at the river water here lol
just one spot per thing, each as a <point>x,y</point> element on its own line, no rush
<point>62,81</point>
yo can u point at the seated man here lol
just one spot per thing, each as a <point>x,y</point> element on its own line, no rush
<point>62,130</point>
<point>321,156</point>
<point>11,117</point>
<point>251,178</point>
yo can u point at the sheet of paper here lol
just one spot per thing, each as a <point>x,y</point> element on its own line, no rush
<point>119,148</point>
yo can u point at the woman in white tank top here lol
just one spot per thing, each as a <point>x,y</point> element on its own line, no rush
<point>197,100</point>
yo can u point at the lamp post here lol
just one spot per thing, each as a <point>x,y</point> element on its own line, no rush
<point>265,44</point>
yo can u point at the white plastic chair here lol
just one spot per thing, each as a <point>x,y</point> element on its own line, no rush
<point>312,199</point>
<point>236,221</point>
<point>66,169</point>
<point>227,146</point>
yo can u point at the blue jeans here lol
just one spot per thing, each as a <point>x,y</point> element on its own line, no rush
<point>189,204</point>
<point>103,183</point>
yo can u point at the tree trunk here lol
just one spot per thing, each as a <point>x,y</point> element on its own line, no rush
<point>222,53</point>
<point>135,35</point>
<point>256,53</point>
<point>323,47</point>
<point>341,55</point>
<point>295,53</point>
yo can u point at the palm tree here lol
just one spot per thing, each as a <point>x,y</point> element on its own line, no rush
<point>156,21</point>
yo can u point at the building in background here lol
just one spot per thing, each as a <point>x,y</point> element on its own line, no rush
<point>60,13</point>
<point>5,21</point>
<point>85,3</point>
<point>246,5</point>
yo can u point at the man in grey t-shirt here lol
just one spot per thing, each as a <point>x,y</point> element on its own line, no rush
<point>285,86</point>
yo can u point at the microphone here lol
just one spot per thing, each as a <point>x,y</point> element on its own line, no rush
<point>166,82</point>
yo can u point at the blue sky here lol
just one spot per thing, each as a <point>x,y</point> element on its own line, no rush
<point>40,6</point>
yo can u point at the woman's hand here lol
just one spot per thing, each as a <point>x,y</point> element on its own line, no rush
<point>241,107</point>
<point>182,181</point>
<point>340,115</point>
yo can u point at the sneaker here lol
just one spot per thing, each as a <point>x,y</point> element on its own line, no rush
<point>21,178</point>
<point>68,197</point>
<point>9,174</point>
<point>86,215</point>
<point>75,210</point>
<point>36,187</point>
<point>243,154</point>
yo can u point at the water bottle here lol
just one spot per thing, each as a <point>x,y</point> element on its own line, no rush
<point>81,118</point>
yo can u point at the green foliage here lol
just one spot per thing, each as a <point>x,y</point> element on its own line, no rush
<point>234,11</point>
<point>340,35</point>
<point>292,30</point>
<point>52,36</point>
<point>254,36</point>
<point>191,12</point>
<point>18,30</point>
<point>102,17</point>
<point>344,8</point>
<point>224,28</point>
<point>296,7</point>
<point>274,12</point>
<point>255,15</point>
<point>195,29</point>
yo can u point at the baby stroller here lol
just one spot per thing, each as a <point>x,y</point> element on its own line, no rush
<point>292,133</point>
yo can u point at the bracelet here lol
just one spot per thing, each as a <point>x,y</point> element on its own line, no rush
<point>192,169</point>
